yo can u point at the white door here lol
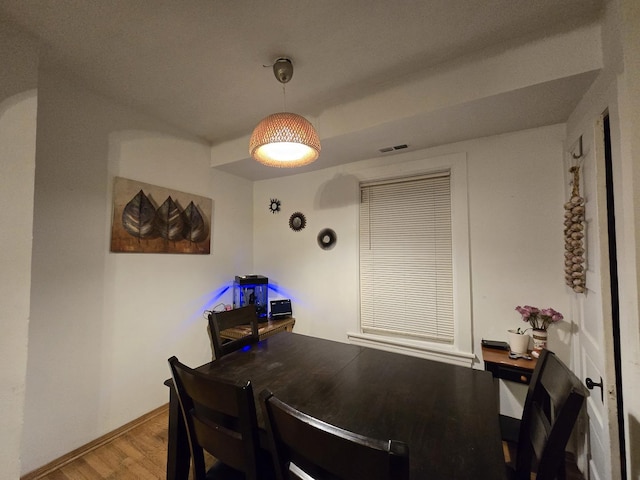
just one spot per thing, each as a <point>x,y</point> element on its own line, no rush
<point>592,314</point>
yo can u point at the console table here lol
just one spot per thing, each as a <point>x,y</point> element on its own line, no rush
<point>265,329</point>
<point>501,366</point>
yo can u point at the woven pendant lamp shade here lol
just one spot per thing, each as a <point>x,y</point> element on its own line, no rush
<point>284,140</point>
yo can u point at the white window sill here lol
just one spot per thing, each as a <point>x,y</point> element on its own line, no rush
<point>440,353</point>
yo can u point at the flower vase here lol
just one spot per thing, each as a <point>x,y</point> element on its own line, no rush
<point>539,339</point>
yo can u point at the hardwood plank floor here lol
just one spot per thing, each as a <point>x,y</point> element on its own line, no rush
<point>139,454</point>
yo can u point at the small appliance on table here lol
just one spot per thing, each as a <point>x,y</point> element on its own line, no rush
<point>280,309</point>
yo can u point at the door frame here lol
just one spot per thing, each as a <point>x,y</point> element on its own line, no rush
<point>615,295</point>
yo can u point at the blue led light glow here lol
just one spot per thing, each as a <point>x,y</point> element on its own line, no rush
<point>283,292</point>
<point>215,296</point>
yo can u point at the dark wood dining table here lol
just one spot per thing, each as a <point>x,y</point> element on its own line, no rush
<point>447,414</point>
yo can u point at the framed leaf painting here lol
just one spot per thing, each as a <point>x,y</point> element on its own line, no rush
<point>152,219</point>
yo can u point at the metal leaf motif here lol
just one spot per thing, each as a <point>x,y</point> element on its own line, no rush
<point>170,220</point>
<point>195,227</point>
<point>138,216</point>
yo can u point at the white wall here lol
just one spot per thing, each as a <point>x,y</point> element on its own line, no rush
<point>323,285</point>
<point>17,165</point>
<point>104,324</point>
<point>515,184</point>
<point>18,105</point>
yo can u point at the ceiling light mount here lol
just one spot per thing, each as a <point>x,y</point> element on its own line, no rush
<point>283,69</point>
<point>284,139</point>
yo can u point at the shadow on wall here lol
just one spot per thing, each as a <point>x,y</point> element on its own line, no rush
<point>11,101</point>
<point>561,336</point>
<point>633,449</point>
<point>340,191</point>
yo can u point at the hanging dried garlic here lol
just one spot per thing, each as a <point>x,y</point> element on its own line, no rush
<point>575,275</point>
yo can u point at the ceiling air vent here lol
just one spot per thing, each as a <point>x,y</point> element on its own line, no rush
<point>392,149</point>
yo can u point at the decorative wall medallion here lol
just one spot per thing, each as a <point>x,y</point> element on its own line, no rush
<point>274,205</point>
<point>297,221</point>
<point>327,239</point>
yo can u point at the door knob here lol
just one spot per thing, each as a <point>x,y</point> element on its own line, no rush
<point>591,385</point>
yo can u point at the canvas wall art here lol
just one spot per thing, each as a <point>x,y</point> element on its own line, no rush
<point>152,219</point>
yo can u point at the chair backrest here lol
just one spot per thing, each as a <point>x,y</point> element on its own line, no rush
<point>219,321</point>
<point>220,417</point>
<point>554,400</point>
<point>306,448</point>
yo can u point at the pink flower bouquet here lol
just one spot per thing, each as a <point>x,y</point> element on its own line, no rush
<point>539,319</point>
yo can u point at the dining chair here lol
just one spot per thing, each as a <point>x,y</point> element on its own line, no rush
<point>554,400</point>
<point>219,321</point>
<point>305,448</point>
<point>509,426</point>
<point>220,418</point>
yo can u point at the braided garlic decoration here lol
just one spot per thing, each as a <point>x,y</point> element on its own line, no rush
<point>574,256</point>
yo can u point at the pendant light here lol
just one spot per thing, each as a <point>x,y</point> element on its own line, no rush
<point>284,139</point>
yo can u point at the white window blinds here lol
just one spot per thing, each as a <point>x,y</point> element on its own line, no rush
<point>406,273</point>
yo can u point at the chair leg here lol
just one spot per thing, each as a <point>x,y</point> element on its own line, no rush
<point>562,471</point>
<point>178,455</point>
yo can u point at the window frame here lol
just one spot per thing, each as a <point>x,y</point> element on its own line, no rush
<point>460,351</point>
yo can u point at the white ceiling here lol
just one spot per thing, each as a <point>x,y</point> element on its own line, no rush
<point>198,64</point>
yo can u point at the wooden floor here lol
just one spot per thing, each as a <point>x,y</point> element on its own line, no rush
<point>141,454</point>
<point>571,469</point>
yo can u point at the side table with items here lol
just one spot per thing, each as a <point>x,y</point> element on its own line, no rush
<point>265,330</point>
<point>501,365</point>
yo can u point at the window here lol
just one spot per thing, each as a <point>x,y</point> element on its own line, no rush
<point>406,265</point>
<point>416,299</point>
